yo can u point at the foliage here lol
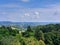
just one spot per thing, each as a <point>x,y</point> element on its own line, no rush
<point>35,35</point>
<point>41,42</point>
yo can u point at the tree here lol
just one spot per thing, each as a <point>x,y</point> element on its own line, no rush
<point>42,35</point>
<point>41,42</point>
<point>39,35</point>
<point>28,32</point>
<point>29,29</point>
<point>9,41</point>
<point>48,38</point>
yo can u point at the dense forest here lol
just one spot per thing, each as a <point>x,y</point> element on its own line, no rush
<point>33,35</point>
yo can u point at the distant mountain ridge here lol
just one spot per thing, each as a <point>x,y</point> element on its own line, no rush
<point>25,24</point>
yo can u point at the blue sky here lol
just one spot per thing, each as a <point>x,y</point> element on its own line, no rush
<point>30,10</point>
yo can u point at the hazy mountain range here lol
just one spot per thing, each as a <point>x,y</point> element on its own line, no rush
<point>24,24</point>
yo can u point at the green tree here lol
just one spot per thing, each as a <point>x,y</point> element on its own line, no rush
<point>39,35</point>
<point>41,42</point>
<point>29,29</point>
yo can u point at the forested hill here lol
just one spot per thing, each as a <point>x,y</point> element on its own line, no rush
<point>36,35</point>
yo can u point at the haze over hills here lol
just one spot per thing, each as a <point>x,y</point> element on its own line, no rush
<point>6,23</point>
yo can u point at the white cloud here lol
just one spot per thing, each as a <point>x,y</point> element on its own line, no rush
<point>51,14</point>
<point>26,14</point>
<point>25,0</point>
<point>37,13</point>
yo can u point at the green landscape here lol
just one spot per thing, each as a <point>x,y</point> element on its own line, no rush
<point>48,34</point>
<point>29,22</point>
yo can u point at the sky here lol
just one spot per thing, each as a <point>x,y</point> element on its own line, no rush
<point>30,10</point>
